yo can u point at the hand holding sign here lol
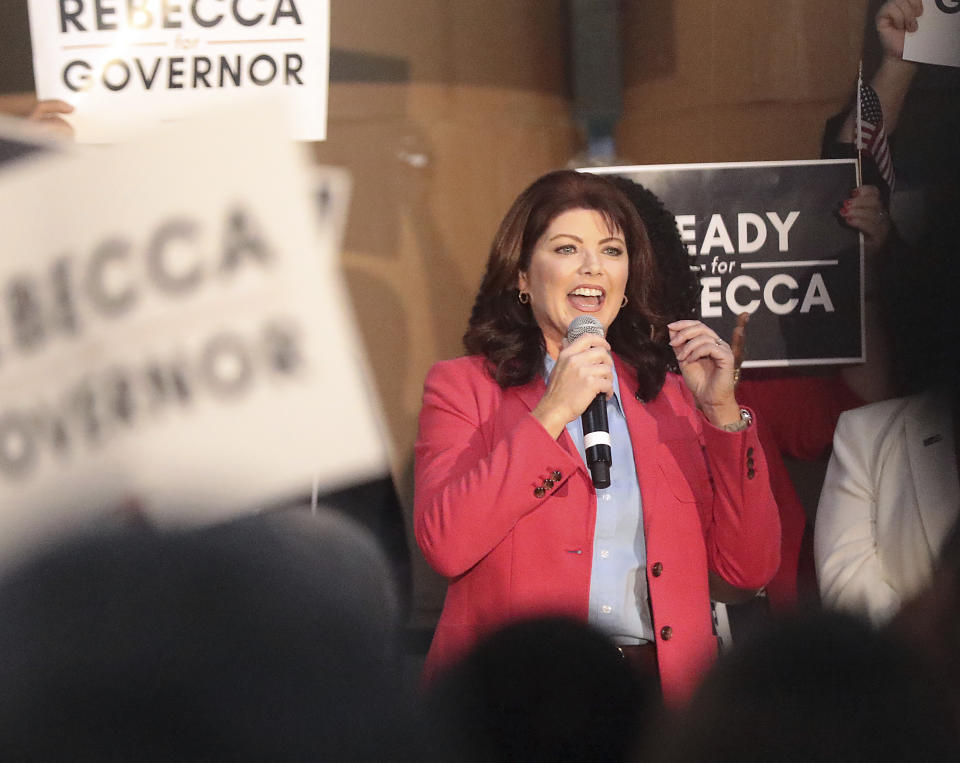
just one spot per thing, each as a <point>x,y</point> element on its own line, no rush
<point>894,19</point>
<point>935,39</point>
<point>47,116</point>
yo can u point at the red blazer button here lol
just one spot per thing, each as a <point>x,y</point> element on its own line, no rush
<point>539,492</point>
<point>657,569</point>
<point>666,633</point>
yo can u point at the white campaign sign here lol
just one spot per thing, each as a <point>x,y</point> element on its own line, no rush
<point>126,63</point>
<point>174,332</point>
<point>937,39</point>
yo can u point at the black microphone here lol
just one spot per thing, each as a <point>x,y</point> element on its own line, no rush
<point>596,431</point>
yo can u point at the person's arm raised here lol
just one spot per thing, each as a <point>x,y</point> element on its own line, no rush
<point>893,77</point>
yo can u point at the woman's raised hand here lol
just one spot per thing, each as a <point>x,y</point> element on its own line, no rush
<point>707,364</point>
<point>584,369</point>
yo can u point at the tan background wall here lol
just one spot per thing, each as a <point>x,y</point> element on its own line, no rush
<point>445,109</point>
<point>738,80</point>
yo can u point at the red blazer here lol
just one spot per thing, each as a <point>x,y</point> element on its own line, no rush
<point>507,513</point>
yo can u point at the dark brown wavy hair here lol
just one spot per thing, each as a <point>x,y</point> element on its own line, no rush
<point>505,332</point>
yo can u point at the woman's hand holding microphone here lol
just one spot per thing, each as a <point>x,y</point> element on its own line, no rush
<point>584,369</point>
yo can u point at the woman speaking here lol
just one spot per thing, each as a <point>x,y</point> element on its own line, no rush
<point>505,504</point>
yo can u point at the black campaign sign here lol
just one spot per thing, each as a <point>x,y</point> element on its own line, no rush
<point>767,238</point>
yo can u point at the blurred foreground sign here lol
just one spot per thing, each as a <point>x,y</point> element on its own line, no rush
<point>175,331</point>
<point>126,63</point>
<point>766,238</point>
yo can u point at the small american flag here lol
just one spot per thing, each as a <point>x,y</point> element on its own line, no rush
<point>871,137</point>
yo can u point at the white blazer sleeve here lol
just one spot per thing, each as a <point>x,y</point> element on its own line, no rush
<point>849,567</point>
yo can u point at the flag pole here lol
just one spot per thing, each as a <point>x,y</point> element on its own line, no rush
<point>859,125</point>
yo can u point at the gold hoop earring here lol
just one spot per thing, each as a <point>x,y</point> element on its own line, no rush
<point>523,297</point>
<point>624,303</point>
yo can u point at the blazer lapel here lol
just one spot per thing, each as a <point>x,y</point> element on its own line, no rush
<point>640,422</point>
<point>930,437</point>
